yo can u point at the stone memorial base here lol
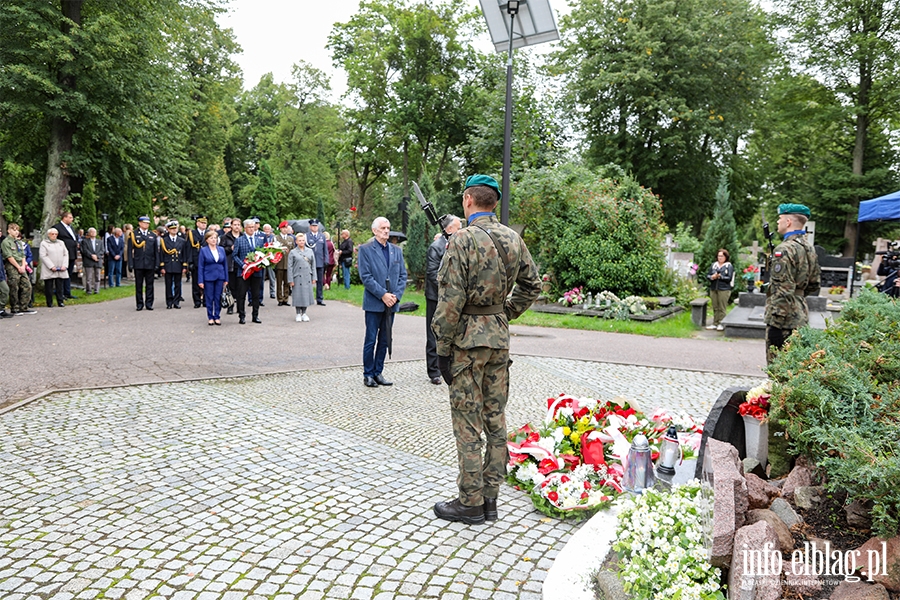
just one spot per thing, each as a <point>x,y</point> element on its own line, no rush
<point>746,320</point>
<point>667,308</point>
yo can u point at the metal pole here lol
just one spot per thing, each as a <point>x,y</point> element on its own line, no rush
<point>507,131</point>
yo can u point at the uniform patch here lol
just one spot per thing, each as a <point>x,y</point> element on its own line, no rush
<point>778,255</point>
<point>778,267</point>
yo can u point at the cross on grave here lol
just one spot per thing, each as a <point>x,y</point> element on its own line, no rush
<point>754,251</point>
<point>669,244</point>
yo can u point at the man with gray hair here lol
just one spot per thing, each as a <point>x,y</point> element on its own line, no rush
<point>244,245</point>
<point>92,251</point>
<point>383,273</point>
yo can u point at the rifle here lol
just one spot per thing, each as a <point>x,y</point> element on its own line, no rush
<point>764,276</point>
<point>431,213</point>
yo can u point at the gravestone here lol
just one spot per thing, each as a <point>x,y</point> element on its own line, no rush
<point>746,320</point>
<point>669,244</point>
<point>725,424</point>
<point>681,263</point>
<point>836,270</point>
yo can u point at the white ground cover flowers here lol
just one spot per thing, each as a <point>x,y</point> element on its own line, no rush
<point>660,544</point>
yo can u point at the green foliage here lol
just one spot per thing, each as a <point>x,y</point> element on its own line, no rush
<point>416,250</point>
<point>603,234</point>
<point>87,216</point>
<point>264,201</point>
<point>837,395</point>
<point>666,89</point>
<point>686,240</point>
<point>722,232</point>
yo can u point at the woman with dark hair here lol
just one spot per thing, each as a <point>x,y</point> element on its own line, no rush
<point>721,277</point>
<point>212,275</point>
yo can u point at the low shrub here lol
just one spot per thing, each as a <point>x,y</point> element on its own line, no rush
<point>837,395</point>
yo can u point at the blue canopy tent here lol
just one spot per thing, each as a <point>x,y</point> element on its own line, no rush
<point>882,208</point>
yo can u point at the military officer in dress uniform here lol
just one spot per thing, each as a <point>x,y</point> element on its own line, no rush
<point>315,241</point>
<point>143,259</point>
<point>172,263</point>
<point>487,278</point>
<point>195,242</point>
<point>794,275</point>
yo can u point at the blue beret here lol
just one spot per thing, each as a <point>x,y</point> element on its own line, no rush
<point>487,180</point>
<point>794,209</point>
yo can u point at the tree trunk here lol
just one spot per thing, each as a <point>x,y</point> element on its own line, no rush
<point>56,184</point>
<point>859,150</point>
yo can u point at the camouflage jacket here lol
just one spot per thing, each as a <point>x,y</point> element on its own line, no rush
<point>472,273</point>
<point>794,275</point>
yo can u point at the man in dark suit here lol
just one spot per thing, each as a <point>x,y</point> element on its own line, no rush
<point>380,265</point>
<point>143,260</point>
<point>315,241</point>
<point>115,248</point>
<point>195,242</point>
<point>432,266</point>
<point>244,245</point>
<point>68,237</point>
<point>172,263</point>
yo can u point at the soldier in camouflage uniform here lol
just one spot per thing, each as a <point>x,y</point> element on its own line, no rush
<point>487,278</point>
<point>794,274</point>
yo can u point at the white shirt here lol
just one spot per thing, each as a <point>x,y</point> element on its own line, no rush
<point>215,253</point>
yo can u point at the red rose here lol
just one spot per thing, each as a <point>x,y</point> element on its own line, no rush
<point>564,479</point>
<point>587,485</point>
<point>553,496</point>
<point>584,496</point>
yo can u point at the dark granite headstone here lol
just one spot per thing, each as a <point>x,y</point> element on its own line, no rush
<point>724,424</point>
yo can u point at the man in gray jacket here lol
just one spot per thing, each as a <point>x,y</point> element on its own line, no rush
<point>432,266</point>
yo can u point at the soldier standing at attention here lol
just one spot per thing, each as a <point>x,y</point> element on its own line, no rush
<point>195,241</point>
<point>172,263</point>
<point>794,274</point>
<point>143,259</point>
<point>487,279</point>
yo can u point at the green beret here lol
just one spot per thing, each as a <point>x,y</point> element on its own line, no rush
<point>487,180</point>
<point>793,209</point>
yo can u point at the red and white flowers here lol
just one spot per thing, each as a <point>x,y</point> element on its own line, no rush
<point>756,404</point>
<point>261,258</point>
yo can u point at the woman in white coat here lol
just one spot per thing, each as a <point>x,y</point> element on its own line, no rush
<point>302,274</point>
<point>54,267</point>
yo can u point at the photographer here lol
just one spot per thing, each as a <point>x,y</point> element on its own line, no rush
<point>889,267</point>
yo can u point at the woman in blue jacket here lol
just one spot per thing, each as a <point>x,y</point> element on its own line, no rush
<point>212,276</point>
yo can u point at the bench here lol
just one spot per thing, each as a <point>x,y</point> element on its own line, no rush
<point>698,311</point>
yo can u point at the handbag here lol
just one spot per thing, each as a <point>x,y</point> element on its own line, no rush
<point>227,299</point>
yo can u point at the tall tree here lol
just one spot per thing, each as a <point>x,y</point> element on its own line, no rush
<point>264,202</point>
<point>722,231</point>
<point>664,89</point>
<point>853,47</point>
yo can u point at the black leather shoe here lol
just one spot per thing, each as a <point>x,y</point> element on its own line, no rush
<point>370,382</point>
<point>168,307</point>
<point>196,305</point>
<point>242,321</point>
<point>436,380</point>
<point>455,511</point>
<point>149,308</point>
<point>140,308</point>
<point>178,306</point>
<point>230,311</point>
<point>380,380</point>
<point>320,303</point>
<point>490,509</point>
<point>256,320</point>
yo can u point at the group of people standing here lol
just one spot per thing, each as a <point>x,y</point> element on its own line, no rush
<point>215,257</point>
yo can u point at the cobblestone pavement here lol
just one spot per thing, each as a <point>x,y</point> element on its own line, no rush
<point>300,485</point>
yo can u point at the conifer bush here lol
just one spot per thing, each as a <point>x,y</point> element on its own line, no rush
<point>837,394</point>
<point>598,232</point>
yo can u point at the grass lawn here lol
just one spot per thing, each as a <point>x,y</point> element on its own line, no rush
<point>114,293</point>
<point>679,326</point>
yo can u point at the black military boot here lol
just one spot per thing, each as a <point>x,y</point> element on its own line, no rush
<point>456,511</point>
<point>490,509</point>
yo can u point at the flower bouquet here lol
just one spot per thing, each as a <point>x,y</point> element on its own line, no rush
<point>837,290</point>
<point>750,272</point>
<point>573,297</point>
<point>756,403</point>
<point>572,466</point>
<point>262,258</point>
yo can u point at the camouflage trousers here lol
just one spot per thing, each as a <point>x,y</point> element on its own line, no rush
<point>478,398</point>
<point>775,340</point>
<point>19,289</point>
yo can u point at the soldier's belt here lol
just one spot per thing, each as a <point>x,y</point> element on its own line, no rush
<point>490,309</point>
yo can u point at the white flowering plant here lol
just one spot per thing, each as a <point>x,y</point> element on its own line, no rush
<point>662,541</point>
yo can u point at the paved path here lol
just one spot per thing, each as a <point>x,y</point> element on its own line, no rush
<point>297,485</point>
<point>110,343</point>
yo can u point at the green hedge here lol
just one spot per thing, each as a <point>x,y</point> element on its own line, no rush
<point>837,394</point>
<point>591,231</point>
